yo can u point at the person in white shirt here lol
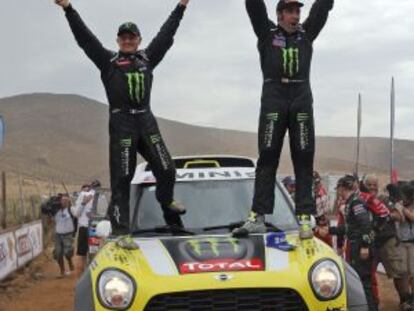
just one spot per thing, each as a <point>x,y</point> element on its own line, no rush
<point>81,211</point>
<point>64,235</point>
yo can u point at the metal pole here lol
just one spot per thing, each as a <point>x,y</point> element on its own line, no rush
<point>22,211</point>
<point>392,133</point>
<point>3,200</point>
<point>359,123</point>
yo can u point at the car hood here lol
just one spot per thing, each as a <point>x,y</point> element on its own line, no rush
<point>165,265</point>
<point>203,254</point>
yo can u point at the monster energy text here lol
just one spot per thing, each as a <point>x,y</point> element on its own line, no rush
<point>161,150</point>
<point>270,127</point>
<point>303,120</point>
<point>125,146</point>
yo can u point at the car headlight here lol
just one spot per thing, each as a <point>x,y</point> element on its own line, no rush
<point>116,289</point>
<point>326,279</point>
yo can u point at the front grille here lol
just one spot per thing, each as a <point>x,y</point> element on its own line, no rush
<point>230,300</point>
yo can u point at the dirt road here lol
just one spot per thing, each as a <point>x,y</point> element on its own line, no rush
<point>39,289</point>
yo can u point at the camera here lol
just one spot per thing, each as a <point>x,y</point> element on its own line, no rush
<point>52,205</point>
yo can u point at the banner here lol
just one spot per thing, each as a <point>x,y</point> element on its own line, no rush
<point>29,242</point>
<point>36,238</point>
<point>8,256</point>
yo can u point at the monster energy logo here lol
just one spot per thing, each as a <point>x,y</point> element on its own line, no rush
<point>126,142</point>
<point>155,139</point>
<point>290,61</point>
<point>272,116</point>
<point>208,246</point>
<point>302,117</point>
<point>136,85</point>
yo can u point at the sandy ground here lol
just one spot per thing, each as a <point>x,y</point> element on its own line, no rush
<point>38,288</point>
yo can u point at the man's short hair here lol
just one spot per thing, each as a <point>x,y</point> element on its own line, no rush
<point>370,177</point>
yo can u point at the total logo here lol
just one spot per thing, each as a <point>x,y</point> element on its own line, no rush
<point>219,265</point>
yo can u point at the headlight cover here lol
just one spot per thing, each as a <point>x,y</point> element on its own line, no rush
<point>326,279</point>
<point>116,289</point>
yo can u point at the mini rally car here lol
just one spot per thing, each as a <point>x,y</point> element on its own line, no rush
<point>201,266</point>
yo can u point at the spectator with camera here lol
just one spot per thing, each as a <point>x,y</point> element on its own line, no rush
<point>58,208</point>
<point>81,211</point>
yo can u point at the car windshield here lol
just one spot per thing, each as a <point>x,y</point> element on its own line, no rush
<point>211,203</point>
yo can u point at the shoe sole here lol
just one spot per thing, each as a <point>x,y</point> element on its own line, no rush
<point>179,212</point>
<point>306,236</point>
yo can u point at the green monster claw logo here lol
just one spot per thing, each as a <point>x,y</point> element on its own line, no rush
<point>126,143</point>
<point>215,246</point>
<point>302,117</point>
<point>136,85</point>
<point>290,61</point>
<point>155,139</point>
<point>273,116</point>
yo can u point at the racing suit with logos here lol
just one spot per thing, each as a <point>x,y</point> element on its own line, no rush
<point>286,103</point>
<point>127,79</point>
<point>358,229</point>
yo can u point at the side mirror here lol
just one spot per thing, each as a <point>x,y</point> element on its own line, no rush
<point>103,229</point>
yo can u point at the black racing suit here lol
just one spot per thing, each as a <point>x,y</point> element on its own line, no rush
<point>359,230</point>
<point>132,127</point>
<point>286,103</point>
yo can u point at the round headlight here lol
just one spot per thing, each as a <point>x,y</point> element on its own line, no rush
<point>115,289</point>
<point>326,280</point>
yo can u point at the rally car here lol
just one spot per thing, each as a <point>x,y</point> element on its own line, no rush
<point>202,266</point>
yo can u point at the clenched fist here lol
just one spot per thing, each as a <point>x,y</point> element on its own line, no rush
<point>184,2</point>
<point>63,3</point>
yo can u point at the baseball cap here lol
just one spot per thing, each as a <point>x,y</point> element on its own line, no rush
<point>347,182</point>
<point>284,4</point>
<point>129,27</point>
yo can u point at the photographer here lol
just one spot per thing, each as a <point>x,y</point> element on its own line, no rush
<point>58,207</point>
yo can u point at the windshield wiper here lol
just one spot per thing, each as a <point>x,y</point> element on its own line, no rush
<point>230,226</point>
<point>165,229</point>
<point>233,225</point>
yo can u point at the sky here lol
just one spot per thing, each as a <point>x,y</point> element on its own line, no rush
<point>211,76</point>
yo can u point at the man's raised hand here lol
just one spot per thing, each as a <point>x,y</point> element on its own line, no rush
<point>63,3</point>
<point>184,2</point>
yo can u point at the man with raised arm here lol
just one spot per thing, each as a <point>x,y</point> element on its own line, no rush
<point>127,76</point>
<point>285,55</point>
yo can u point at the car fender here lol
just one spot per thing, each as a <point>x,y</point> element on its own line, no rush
<point>83,293</point>
<point>356,299</point>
